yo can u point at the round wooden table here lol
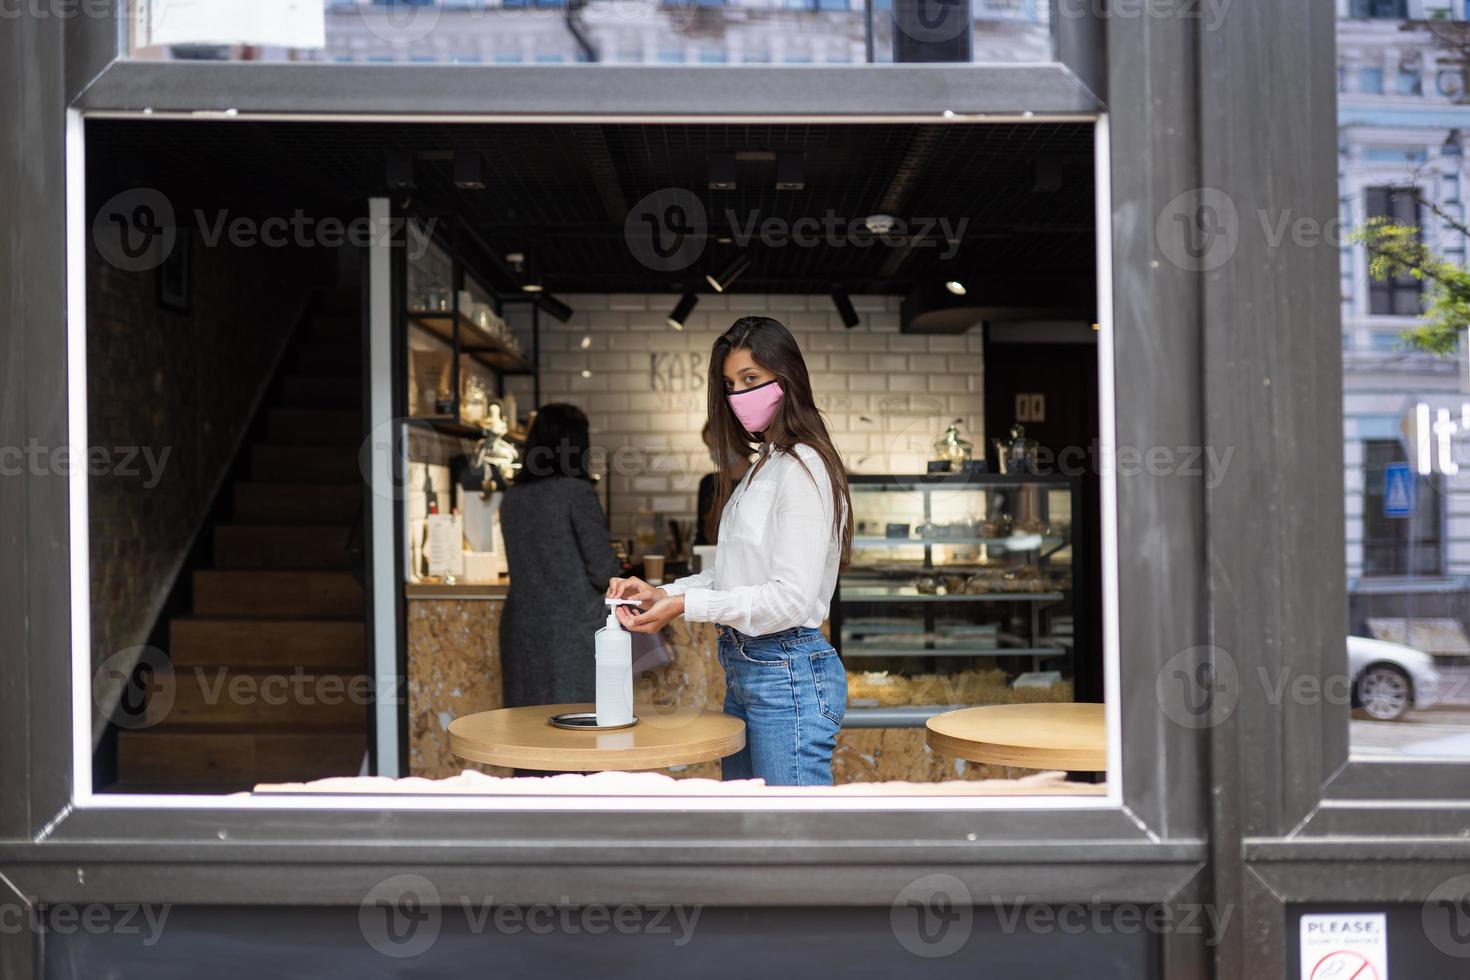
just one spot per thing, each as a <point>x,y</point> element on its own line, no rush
<point>524,739</point>
<point>1073,737</point>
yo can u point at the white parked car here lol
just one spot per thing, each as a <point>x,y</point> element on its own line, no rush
<point>1390,678</point>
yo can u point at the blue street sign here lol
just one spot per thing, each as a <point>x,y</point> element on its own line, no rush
<point>1398,490</point>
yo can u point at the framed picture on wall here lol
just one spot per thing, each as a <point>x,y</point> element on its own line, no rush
<point>173,275</point>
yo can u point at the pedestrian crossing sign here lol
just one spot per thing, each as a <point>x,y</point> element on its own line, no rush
<point>1398,490</point>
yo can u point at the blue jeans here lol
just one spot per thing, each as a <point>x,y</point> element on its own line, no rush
<point>791,691</point>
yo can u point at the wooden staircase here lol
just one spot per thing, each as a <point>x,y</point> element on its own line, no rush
<point>270,679</point>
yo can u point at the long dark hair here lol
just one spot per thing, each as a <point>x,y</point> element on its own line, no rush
<point>797,420</point>
<point>557,445</point>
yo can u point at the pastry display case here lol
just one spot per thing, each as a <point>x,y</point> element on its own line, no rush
<point>960,592</point>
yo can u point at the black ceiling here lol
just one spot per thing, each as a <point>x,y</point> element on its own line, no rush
<point>561,192</point>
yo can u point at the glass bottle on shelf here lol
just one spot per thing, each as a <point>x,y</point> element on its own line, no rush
<point>953,449</point>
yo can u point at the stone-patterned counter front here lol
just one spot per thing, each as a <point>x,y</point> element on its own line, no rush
<point>454,670</point>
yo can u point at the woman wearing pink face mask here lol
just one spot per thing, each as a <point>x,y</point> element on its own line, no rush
<point>785,531</point>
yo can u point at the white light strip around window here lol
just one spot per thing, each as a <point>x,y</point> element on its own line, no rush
<point>1108,443</point>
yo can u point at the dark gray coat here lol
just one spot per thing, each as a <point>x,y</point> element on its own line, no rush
<point>559,557</point>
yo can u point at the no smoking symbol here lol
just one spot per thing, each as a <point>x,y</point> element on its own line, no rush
<point>1343,965</point>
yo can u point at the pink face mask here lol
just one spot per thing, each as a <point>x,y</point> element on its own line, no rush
<point>756,407</point>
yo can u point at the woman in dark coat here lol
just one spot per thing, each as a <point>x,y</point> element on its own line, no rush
<point>560,559</point>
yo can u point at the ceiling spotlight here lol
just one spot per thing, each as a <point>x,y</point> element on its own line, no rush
<point>586,341</point>
<point>789,172</point>
<point>879,224</point>
<point>845,310</point>
<point>586,373</point>
<point>955,286</point>
<point>554,306</point>
<point>469,170</point>
<point>532,285</point>
<point>731,272</point>
<point>681,311</point>
<point>722,172</point>
<point>400,172</point>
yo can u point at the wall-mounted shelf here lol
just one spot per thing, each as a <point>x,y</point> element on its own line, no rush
<point>474,340</point>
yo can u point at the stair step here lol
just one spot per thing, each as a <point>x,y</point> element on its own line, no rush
<point>338,391</point>
<point>315,427</point>
<point>321,643</point>
<point>304,464</point>
<point>335,328</point>
<point>339,358</point>
<point>294,700</point>
<point>280,595</point>
<point>239,759</point>
<point>277,546</point>
<point>297,503</point>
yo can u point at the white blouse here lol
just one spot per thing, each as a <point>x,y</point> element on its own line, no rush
<point>777,555</point>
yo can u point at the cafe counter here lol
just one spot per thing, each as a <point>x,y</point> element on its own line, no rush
<point>454,670</point>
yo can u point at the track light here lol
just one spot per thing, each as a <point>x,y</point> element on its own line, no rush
<point>955,286</point>
<point>681,311</point>
<point>789,175</point>
<point>469,170</point>
<point>554,306</point>
<point>722,172</point>
<point>731,272</point>
<point>845,310</point>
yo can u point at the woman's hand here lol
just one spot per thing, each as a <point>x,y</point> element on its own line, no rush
<point>663,611</point>
<point>634,588</point>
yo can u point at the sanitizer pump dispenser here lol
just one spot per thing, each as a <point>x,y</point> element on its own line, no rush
<point>614,673</point>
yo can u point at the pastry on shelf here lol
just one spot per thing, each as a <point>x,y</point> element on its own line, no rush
<point>877,686</point>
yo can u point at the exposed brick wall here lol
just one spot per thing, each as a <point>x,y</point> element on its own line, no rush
<point>887,395</point>
<point>181,384</point>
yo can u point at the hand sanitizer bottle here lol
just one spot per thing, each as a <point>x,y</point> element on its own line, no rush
<point>614,672</point>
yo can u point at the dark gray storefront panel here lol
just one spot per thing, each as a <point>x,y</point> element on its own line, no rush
<point>475,937</point>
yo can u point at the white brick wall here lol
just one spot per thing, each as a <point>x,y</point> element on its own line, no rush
<point>887,395</point>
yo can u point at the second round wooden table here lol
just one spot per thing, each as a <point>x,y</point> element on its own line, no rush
<point>524,739</point>
<point>1070,736</point>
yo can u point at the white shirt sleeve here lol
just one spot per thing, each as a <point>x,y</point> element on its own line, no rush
<point>802,537</point>
<point>699,580</point>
